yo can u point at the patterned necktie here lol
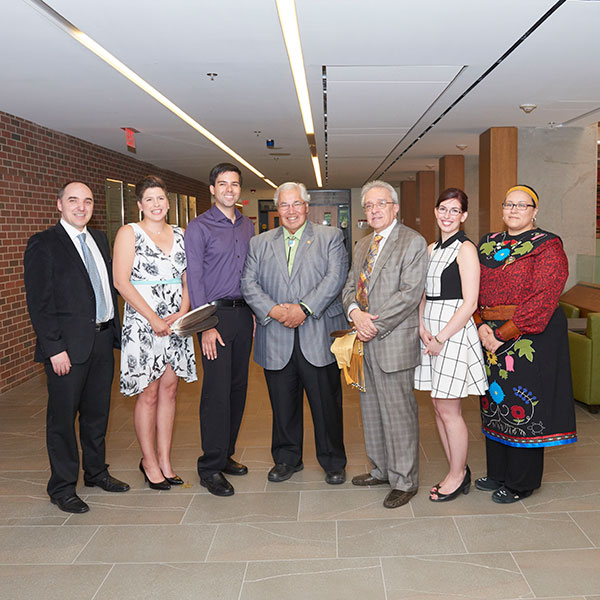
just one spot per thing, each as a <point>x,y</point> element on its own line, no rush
<point>365,274</point>
<point>92,269</point>
<point>291,242</point>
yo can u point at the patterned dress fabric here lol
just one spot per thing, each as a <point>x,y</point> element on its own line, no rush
<point>144,355</point>
<point>530,399</point>
<point>458,370</point>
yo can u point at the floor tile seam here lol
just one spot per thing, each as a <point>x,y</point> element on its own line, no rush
<point>573,549</point>
<point>460,535</point>
<point>187,508</point>
<point>305,573</point>
<point>243,582</point>
<point>102,582</point>
<point>533,594</point>
<point>292,560</point>
<point>212,541</point>
<point>581,529</point>
<point>86,544</point>
<point>385,592</point>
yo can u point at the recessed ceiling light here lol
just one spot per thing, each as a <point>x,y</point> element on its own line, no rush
<point>288,19</point>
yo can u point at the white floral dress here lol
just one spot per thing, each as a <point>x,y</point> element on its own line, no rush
<point>157,277</point>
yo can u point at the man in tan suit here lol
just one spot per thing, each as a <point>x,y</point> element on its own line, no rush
<point>381,297</point>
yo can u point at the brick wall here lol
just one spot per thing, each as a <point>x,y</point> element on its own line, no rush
<point>34,163</point>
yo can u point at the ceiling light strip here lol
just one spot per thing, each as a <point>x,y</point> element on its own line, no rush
<point>496,64</point>
<point>288,20</point>
<point>116,64</point>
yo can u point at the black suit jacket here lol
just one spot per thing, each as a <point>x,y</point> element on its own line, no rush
<point>60,296</point>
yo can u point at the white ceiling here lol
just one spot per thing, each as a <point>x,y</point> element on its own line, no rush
<point>392,67</point>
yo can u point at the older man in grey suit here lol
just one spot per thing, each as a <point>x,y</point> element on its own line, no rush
<point>381,297</point>
<point>292,280</point>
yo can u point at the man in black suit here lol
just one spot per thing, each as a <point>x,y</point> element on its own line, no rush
<point>73,309</point>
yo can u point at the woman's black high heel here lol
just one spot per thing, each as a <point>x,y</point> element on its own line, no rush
<point>161,485</point>
<point>175,480</point>
<point>463,488</point>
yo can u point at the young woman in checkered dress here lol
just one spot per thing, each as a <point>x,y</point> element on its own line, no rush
<point>452,365</point>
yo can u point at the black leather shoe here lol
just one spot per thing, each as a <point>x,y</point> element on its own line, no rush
<point>217,484</point>
<point>233,467</point>
<point>282,472</point>
<point>71,504</point>
<point>335,477</point>
<point>108,483</point>
<point>367,479</point>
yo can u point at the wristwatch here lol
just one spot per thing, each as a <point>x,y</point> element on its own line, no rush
<point>304,309</point>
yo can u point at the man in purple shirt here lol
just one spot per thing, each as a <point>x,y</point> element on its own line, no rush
<point>216,244</point>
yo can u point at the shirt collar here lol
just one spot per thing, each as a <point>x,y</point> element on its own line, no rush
<point>386,232</point>
<point>72,231</point>
<point>218,215</point>
<point>287,235</point>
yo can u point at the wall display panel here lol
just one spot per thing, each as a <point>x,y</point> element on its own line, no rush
<point>183,210</point>
<point>114,208</point>
<point>173,217</point>
<point>192,214</point>
<point>132,212</point>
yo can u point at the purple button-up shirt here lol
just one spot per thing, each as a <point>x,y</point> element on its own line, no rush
<point>216,251</point>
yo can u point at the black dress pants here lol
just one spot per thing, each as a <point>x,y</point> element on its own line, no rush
<point>224,389</point>
<point>519,469</point>
<point>324,392</point>
<point>84,390</point>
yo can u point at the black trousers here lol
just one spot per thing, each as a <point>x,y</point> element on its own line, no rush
<point>519,469</point>
<point>324,392</point>
<point>84,390</point>
<point>224,389</point>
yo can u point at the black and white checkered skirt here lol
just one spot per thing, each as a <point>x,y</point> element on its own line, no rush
<point>458,370</point>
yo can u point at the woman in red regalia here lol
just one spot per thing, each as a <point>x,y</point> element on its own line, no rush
<point>529,404</point>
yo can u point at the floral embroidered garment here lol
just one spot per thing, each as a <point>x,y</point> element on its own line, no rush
<point>530,398</point>
<point>157,277</point>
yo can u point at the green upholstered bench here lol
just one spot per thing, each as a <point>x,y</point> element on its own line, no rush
<point>585,363</point>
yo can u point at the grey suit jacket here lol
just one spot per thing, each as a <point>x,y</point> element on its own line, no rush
<point>395,290</point>
<point>318,275</point>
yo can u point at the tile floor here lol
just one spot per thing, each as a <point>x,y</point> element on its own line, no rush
<point>300,539</point>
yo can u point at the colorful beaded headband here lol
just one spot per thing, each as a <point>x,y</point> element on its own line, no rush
<point>527,190</point>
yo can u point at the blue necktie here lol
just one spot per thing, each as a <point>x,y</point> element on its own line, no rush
<point>90,265</point>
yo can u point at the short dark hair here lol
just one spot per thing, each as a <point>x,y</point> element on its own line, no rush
<point>223,168</point>
<point>454,194</point>
<point>62,189</point>
<point>150,181</point>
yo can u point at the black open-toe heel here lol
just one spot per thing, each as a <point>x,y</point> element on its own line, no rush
<point>161,485</point>
<point>463,488</point>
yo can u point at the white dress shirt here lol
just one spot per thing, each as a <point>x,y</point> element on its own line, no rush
<point>98,259</point>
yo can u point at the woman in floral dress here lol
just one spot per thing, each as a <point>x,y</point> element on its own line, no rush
<point>149,272</point>
<point>529,404</point>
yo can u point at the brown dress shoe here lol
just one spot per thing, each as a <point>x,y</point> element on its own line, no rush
<point>398,498</point>
<point>367,479</point>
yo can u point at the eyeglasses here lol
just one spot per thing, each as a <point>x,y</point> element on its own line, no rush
<point>381,205</point>
<point>286,207</point>
<point>520,206</point>
<point>442,210</point>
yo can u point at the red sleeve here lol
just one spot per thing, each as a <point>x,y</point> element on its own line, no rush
<point>548,277</point>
